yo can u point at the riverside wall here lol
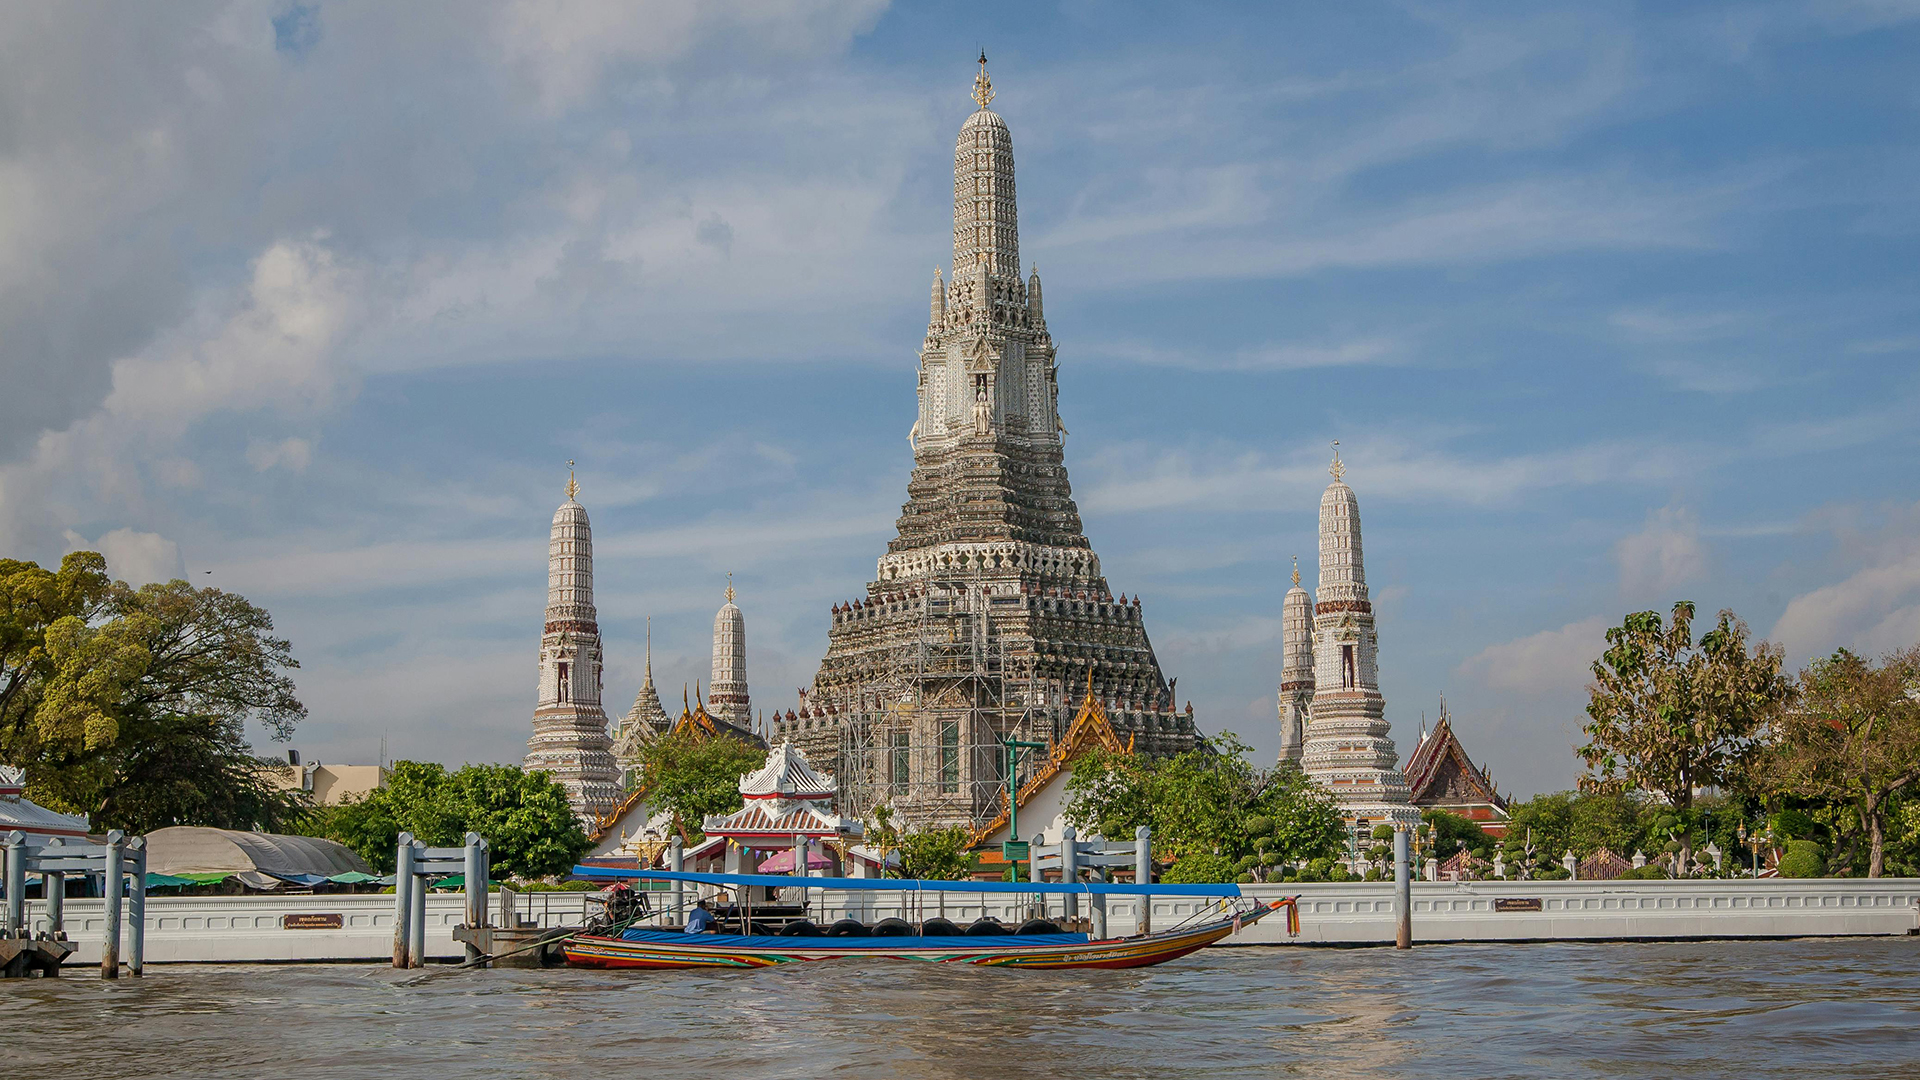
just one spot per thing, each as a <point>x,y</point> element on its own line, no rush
<point>270,928</point>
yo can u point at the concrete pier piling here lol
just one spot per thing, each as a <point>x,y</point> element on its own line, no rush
<point>1402,889</point>
<point>403,885</point>
<point>110,952</point>
<point>1143,875</point>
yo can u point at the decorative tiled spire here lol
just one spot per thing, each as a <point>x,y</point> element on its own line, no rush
<point>1349,748</point>
<point>1296,668</point>
<point>727,693</point>
<point>570,738</point>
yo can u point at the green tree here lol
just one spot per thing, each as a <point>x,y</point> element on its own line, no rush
<point>530,830</point>
<point>695,776</point>
<point>1668,715</point>
<point>1852,738</point>
<point>1449,832</point>
<point>140,700</point>
<point>31,600</point>
<point>926,854</point>
<point>1615,820</point>
<point>1205,801</point>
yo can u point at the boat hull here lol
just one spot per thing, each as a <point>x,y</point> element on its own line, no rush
<point>679,951</point>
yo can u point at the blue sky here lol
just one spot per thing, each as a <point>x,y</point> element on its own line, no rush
<point>1609,305</point>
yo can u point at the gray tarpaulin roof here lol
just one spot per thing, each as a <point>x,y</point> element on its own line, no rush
<point>260,859</point>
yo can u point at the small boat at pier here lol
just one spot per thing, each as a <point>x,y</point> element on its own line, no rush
<point>1035,944</point>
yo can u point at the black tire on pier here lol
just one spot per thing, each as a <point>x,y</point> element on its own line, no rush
<point>938,927</point>
<point>986,926</point>
<point>848,928</point>
<point>1039,926</point>
<point>893,928</point>
<point>800,928</point>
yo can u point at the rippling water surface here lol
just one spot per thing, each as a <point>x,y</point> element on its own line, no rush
<point>1821,1008</point>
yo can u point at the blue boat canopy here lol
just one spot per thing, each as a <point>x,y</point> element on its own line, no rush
<point>784,881</point>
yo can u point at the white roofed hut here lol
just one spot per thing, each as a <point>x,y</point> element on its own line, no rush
<point>788,802</point>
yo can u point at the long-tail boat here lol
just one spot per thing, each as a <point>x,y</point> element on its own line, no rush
<point>1034,945</point>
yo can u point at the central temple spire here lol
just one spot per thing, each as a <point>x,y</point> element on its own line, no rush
<point>988,612</point>
<point>986,230</point>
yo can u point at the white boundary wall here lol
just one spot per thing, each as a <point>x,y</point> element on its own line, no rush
<point>238,929</point>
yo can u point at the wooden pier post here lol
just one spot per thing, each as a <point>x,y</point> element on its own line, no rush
<point>110,945</point>
<point>137,908</point>
<point>402,904</point>
<point>1402,888</point>
<point>16,883</point>
<point>417,924</point>
<point>1143,875</point>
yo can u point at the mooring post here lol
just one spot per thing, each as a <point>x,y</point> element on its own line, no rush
<point>1143,875</point>
<point>417,925</point>
<point>1097,908</point>
<point>1402,888</point>
<point>677,862</point>
<point>476,890</point>
<point>16,883</point>
<point>110,946</point>
<point>402,897</point>
<point>1034,875</point>
<point>137,907</point>
<point>799,870</point>
<point>53,884</point>
<point>1069,871</point>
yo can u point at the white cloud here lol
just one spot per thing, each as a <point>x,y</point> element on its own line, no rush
<point>1551,662</point>
<point>136,558</point>
<point>1873,610</point>
<point>1666,553</point>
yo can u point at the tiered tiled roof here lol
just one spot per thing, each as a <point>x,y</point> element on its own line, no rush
<point>1440,774</point>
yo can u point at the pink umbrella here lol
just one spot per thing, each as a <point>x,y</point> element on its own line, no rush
<point>782,863</point>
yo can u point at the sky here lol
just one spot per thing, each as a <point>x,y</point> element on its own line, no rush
<point>1609,306</point>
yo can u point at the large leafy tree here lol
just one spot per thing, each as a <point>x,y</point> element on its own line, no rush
<point>136,701</point>
<point>1852,737</point>
<point>926,853</point>
<point>529,827</point>
<point>31,600</point>
<point>1206,804</point>
<point>695,775</point>
<point>1669,715</point>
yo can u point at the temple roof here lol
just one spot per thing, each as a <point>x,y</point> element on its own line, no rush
<point>787,774</point>
<point>1439,771</point>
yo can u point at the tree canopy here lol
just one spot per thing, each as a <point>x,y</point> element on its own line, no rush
<point>927,853</point>
<point>131,705</point>
<point>1668,715</point>
<point>694,776</point>
<point>523,815</point>
<point>1207,805</point>
<point>1852,737</point>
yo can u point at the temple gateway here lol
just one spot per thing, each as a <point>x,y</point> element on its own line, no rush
<point>988,617</point>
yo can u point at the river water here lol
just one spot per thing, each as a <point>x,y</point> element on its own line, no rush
<point>1811,1008</point>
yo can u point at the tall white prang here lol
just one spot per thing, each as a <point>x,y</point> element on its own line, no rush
<point>1296,669</point>
<point>1349,749</point>
<point>570,740</point>
<point>727,695</point>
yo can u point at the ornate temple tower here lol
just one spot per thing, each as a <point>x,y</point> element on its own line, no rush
<point>727,696</point>
<point>988,613</point>
<point>569,727</point>
<point>643,723</point>
<point>1296,668</point>
<point>1349,750</point>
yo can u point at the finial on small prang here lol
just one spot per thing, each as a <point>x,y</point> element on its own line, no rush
<point>982,85</point>
<point>1296,569</point>
<point>573,486</point>
<point>1338,468</point>
<point>729,586</point>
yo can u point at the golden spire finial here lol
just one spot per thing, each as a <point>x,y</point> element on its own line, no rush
<point>729,586</point>
<point>1338,468</point>
<point>982,85</point>
<point>573,486</point>
<point>649,650</point>
<point>1296,569</point>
